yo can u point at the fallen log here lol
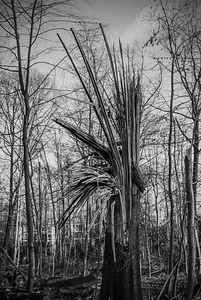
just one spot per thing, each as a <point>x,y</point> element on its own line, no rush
<point>77,281</point>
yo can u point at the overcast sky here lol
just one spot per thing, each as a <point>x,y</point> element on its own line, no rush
<point>122,15</point>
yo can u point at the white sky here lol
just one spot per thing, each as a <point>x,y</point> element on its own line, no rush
<point>122,15</point>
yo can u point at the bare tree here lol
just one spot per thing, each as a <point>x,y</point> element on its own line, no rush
<point>11,147</point>
<point>176,39</point>
<point>26,28</point>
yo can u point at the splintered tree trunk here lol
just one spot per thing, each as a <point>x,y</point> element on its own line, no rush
<point>190,225</point>
<point>116,277</point>
<point>121,278</point>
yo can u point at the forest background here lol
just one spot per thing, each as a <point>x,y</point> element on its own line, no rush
<point>41,89</point>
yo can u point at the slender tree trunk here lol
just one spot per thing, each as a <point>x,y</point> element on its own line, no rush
<point>16,242</point>
<point>13,199</point>
<point>147,238</point>
<point>190,225</point>
<point>196,153</point>
<point>156,192</point>
<point>11,209</point>
<point>29,210</point>
<point>55,243</point>
<point>170,170</point>
<point>40,219</point>
<point>86,240</point>
<point>11,206</point>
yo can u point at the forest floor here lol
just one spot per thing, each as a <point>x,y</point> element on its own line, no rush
<point>85,288</point>
<point>154,286</point>
<point>76,287</point>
